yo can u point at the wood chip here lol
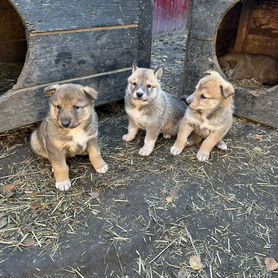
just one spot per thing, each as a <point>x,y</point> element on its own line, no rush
<point>169,199</point>
<point>271,264</point>
<point>8,188</point>
<point>195,262</point>
<point>94,194</point>
<point>28,242</point>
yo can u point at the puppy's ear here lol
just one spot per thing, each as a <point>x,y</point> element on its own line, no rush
<point>227,90</point>
<point>134,67</point>
<point>50,90</point>
<point>90,92</point>
<point>158,72</point>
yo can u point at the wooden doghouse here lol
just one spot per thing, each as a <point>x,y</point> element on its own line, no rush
<point>248,26</point>
<point>92,43</point>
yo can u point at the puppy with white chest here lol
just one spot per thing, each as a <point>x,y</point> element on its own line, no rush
<point>70,128</point>
<point>209,116</point>
<point>150,108</point>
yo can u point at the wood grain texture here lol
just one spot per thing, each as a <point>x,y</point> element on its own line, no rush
<point>88,42</point>
<point>145,33</point>
<point>243,26</point>
<point>58,57</point>
<point>260,105</point>
<point>53,15</point>
<point>23,107</point>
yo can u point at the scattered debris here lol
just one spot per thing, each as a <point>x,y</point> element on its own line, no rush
<point>28,242</point>
<point>195,263</point>
<point>271,264</point>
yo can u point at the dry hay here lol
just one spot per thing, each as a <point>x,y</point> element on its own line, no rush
<point>249,84</point>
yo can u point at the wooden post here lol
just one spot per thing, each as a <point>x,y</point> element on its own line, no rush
<point>243,26</point>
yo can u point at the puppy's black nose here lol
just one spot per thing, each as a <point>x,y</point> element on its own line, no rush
<point>139,94</point>
<point>184,99</point>
<point>65,123</point>
<point>188,101</point>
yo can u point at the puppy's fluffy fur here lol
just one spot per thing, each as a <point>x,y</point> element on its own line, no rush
<point>208,117</point>
<point>70,128</point>
<point>150,108</point>
<point>238,66</point>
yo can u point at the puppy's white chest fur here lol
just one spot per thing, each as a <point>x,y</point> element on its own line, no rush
<point>78,142</point>
<point>138,117</point>
<point>202,126</point>
<point>79,137</point>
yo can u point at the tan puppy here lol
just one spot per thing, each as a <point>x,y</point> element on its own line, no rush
<point>70,128</point>
<point>238,66</point>
<point>208,117</point>
<point>150,108</point>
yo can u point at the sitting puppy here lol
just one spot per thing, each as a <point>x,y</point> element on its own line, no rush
<point>70,128</point>
<point>238,66</point>
<point>150,108</point>
<point>208,117</point>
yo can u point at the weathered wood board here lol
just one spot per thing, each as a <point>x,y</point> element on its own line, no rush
<point>79,54</point>
<point>30,104</point>
<point>209,37</point>
<point>90,42</point>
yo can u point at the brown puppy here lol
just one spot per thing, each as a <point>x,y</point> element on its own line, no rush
<point>208,117</point>
<point>150,108</point>
<point>70,128</point>
<point>238,66</point>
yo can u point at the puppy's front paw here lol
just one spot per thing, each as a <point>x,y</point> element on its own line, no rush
<point>221,145</point>
<point>145,151</point>
<point>127,137</point>
<point>103,169</point>
<point>175,150</point>
<point>63,185</point>
<point>202,156</point>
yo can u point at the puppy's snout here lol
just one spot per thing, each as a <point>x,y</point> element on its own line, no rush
<point>65,123</point>
<point>188,101</point>
<point>139,94</point>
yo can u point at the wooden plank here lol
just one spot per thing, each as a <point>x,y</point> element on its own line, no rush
<point>257,44</point>
<point>145,33</point>
<point>57,57</point>
<point>26,106</point>
<point>260,105</point>
<point>55,15</point>
<point>243,26</point>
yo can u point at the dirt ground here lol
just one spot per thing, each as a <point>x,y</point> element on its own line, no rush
<point>146,216</point>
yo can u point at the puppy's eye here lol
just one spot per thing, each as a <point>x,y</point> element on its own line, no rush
<point>149,86</point>
<point>203,97</point>
<point>76,108</point>
<point>134,84</point>
<point>58,107</point>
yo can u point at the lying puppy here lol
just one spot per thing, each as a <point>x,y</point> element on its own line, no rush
<point>150,108</point>
<point>209,116</point>
<point>238,66</point>
<point>70,128</point>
